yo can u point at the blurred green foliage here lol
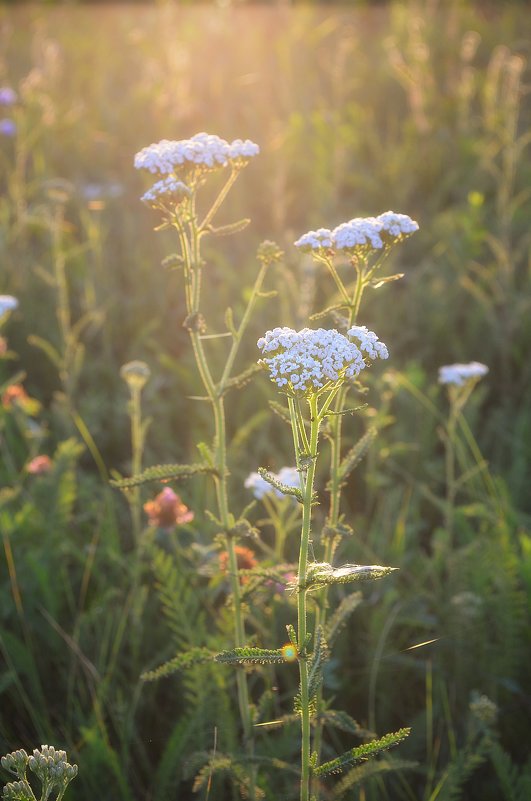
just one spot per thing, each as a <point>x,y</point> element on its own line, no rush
<point>421,107</point>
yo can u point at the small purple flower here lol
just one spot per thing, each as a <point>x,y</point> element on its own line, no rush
<point>8,96</point>
<point>8,127</point>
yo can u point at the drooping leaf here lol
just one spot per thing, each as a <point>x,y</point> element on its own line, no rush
<point>361,753</point>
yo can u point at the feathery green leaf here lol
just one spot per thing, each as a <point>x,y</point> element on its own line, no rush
<point>361,753</point>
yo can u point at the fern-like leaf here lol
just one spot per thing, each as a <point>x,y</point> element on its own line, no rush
<point>356,454</point>
<point>361,753</point>
<point>283,488</point>
<point>195,656</point>
<point>250,656</point>
<point>341,615</point>
<point>242,378</point>
<point>162,472</point>
<point>366,771</point>
<point>341,720</point>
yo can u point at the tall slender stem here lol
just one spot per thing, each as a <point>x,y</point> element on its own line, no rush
<point>307,491</point>
<point>335,483</point>
<point>191,254</point>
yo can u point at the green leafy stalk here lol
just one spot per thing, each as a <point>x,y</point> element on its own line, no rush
<point>307,497</point>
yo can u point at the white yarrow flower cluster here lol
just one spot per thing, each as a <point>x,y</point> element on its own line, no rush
<point>361,233</point>
<point>203,151</point>
<point>368,342</point>
<point>7,303</point>
<point>459,374</point>
<point>167,187</point>
<point>305,361</point>
<point>260,487</point>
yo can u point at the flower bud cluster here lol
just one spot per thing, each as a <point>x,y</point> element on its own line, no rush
<point>459,374</point>
<point>305,361</point>
<point>17,791</point>
<point>16,762</point>
<point>51,766</point>
<point>260,487</point>
<point>368,342</point>
<point>361,234</point>
<point>206,151</point>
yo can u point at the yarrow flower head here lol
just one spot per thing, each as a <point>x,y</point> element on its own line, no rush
<point>260,487</point>
<point>368,342</point>
<point>202,153</point>
<point>361,235</point>
<point>459,374</point>
<point>307,361</point>
<point>167,510</point>
<point>167,189</point>
<point>7,303</point>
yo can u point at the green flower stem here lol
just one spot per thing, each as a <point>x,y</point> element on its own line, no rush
<point>219,200</point>
<point>335,486</point>
<point>191,254</point>
<point>451,486</point>
<point>307,490</point>
<point>242,327</point>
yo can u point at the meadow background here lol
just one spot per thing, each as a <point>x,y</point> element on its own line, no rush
<point>419,107</point>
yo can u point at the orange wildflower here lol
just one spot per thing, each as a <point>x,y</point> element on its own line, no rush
<point>15,394</point>
<point>244,556</point>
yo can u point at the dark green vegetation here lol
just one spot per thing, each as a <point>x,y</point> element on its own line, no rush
<point>420,111</point>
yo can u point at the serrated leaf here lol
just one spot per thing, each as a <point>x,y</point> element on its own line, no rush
<point>356,454</point>
<point>365,771</point>
<point>361,753</point>
<point>48,349</point>
<point>229,321</point>
<point>341,720</point>
<point>342,613</point>
<point>283,488</point>
<point>325,312</point>
<point>292,635</point>
<point>162,472</point>
<point>195,656</point>
<point>250,656</point>
<point>315,673</point>
<point>242,378</point>
<point>231,228</point>
<point>321,574</point>
<point>280,411</point>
